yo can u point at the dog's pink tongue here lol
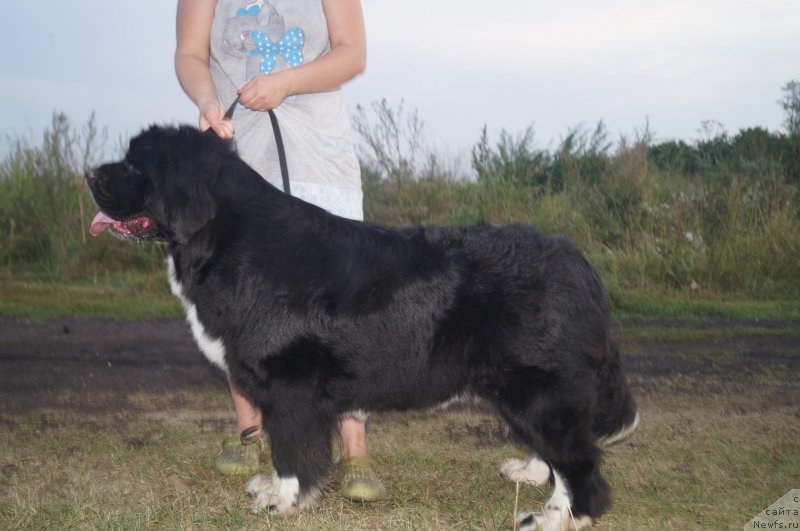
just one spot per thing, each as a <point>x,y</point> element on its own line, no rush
<point>100,223</point>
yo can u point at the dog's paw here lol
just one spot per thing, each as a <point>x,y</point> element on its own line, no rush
<point>534,471</point>
<point>257,483</point>
<point>538,521</point>
<point>276,495</point>
<point>550,520</point>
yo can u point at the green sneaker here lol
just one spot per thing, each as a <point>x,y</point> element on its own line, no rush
<point>358,480</point>
<point>237,458</point>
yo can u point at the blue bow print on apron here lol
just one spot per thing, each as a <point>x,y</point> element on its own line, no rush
<point>289,46</point>
<point>251,10</point>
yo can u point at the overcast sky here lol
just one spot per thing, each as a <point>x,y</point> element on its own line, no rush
<point>506,63</point>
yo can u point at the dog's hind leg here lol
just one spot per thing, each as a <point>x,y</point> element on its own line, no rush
<point>558,512</point>
<point>579,492</point>
<point>556,422</point>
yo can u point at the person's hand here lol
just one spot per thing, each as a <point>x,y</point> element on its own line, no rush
<point>211,116</point>
<point>265,92</point>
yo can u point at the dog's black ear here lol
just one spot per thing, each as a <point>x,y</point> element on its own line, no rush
<point>189,203</point>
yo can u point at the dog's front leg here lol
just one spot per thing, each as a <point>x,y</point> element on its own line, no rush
<point>301,455</point>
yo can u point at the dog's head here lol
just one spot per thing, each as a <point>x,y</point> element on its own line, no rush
<point>163,188</point>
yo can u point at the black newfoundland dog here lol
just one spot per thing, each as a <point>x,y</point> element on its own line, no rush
<point>314,316</point>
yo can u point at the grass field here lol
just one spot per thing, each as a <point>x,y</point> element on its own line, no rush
<point>719,396</point>
<point>708,460</point>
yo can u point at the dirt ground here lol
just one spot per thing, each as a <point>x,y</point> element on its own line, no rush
<point>97,357</point>
<point>84,358</point>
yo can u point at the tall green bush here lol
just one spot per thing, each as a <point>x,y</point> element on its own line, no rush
<point>45,209</point>
<point>721,216</point>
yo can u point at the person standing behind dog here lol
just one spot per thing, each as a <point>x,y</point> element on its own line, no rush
<point>290,56</point>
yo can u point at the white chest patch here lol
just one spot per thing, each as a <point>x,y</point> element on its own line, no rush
<point>213,348</point>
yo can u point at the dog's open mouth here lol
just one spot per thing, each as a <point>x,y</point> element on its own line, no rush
<point>138,228</point>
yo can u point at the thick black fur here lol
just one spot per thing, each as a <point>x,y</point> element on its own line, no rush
<point>321,316</point>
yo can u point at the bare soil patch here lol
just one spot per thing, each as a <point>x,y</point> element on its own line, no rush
<point>101,364</point>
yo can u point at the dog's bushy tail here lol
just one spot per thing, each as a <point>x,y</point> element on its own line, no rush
<point>617,417</point>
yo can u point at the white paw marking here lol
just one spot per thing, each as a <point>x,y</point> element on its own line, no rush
<point>557,514</point>
<point>213,348</point>
<point>276,495</point>
<point>534,471</point>
<point>538,521</point>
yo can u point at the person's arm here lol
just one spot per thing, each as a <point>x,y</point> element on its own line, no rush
<point>345,60</point>
<point>192,53</point>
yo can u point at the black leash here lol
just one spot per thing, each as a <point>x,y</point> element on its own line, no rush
<point>276,130</point>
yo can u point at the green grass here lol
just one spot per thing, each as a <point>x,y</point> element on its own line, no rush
<point>706,334</point>
<point>690,307</point>
<point>140,295</point>
<point>133,297</point>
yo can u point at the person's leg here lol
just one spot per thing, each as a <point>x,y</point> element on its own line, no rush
<point>358,479</point>
<point>353,435</point>
<point>235,457</point>
<point>247,414</point>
